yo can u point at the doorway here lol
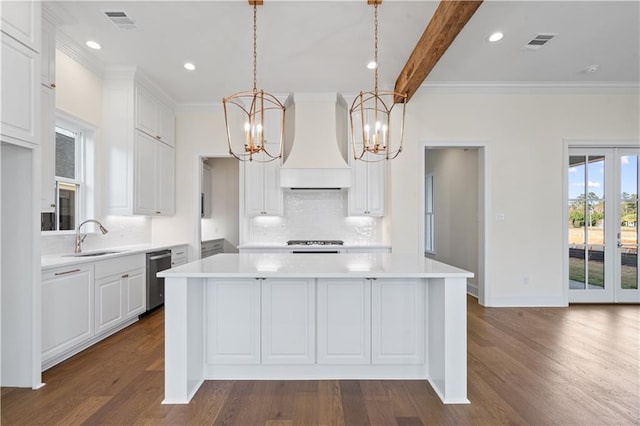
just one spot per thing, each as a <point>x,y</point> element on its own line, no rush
<point>219,201</point>
<point>453,209</point>
<point>602,225</point>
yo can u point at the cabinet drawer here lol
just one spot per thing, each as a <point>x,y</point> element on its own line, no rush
<point>105,268</point>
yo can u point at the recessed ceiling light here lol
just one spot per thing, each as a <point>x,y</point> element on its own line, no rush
<point>592,68</point>
<point>94,45</point>
<point>372,65</point>
<point>495,37</point>
<point>189,66</point>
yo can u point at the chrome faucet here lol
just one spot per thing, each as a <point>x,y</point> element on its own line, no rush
<point>80,239</point>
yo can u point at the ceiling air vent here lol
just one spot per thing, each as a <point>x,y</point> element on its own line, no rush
<point>121,20</point>
<point>538,41</point>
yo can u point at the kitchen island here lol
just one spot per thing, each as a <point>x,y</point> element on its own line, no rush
<point>314,317</point>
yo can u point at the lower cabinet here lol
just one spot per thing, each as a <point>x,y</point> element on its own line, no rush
<point>85,303</point>
<point>344,326</point>
<point>233,321</point>
<point>67,309</point>
<point>289,322</point>
<point>178,256</point>
<point>397,321</point>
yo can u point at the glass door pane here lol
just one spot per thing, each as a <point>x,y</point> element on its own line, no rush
<point>627,234</point>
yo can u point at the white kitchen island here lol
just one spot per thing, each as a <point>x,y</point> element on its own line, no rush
<point>314,317</point>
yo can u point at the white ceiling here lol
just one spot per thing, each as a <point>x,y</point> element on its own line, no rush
<point>322,46</point>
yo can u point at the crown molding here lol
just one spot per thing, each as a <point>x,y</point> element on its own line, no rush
<point>532,87</point>
<point>79,54</point>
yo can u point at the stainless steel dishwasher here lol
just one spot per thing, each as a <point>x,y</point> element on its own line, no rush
<point>156,261</point>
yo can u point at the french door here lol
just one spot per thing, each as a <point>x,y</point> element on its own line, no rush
<point>602,231</point>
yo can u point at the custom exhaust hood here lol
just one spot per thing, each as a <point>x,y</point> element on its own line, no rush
<point>315,142</point>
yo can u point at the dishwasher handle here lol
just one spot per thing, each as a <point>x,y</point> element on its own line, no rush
<point>161,256</point>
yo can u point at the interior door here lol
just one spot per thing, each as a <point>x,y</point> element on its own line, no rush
<point>602,206</point>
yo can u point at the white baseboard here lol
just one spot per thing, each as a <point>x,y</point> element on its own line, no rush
<point>472,288</point>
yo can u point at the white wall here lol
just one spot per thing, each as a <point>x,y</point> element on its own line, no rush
<point>455,177</point>
<point>523,135</point>
<point>224,220</point>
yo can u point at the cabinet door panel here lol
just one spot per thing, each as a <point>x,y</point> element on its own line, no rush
<point>166,179</point>
<point>108,303</point>
<point>20,90</point>
<point>146,112</point>
<point>145,175</point>
<point>47,144</point>
<point>21,20</point>
<point>253,188</point>
<point>48,54</point>
<point>135,291</point>
<point>344,326</point>
<point>288,321</point>
<point>398,322</point>
<point>166,124</point>
<point>273,197</point>
<point>233,321</point>
<point>67,311</point>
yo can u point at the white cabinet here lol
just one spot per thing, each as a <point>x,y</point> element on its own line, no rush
<point>154,177</point>
<point>67,309</point>
<point>119,291</point>
<point>205,196</point>
<point>288,321</point>
<point>344,326</point>
<point>397,321</point>
<point>233,322</point>
<point>211,247</point>
<point>178,256</point>
<point>140,167</point>
<point>153,117</point>
<point>48,149</point>
<point>20,82</point>
<point>262,192</point>
<point>366,195</point>
<point>48,54</point>
<point>21,20</point>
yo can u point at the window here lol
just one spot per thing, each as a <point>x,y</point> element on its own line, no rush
<point>73,152</point>
<point>429,226</point>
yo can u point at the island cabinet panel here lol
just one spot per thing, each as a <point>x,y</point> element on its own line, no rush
<point>344,325</point>
<point>288,321</point>
<point>398,321</point>
<point>233,321</point>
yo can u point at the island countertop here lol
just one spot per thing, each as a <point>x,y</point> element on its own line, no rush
<point>356,265</point>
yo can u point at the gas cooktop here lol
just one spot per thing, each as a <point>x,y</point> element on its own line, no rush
<point>315,242</point>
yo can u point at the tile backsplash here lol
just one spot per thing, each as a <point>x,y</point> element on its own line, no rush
<point>315,214</point>
<point>123,231</point>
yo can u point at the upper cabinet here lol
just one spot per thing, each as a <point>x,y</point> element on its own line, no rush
<point>21,20</point>
<point>48,113</point>
<point>262,192</point>
<point>139,145</point>
<point>20,83</point>
<point>153,117</point>
<point>48,53</point>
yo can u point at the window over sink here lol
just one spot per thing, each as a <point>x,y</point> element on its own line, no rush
<point>74,174</point>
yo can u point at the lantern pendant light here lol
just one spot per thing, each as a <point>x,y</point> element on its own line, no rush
<point>370,116</point>
<point>251,116</point>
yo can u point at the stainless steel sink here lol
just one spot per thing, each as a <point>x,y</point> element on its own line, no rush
<point>91,254</point>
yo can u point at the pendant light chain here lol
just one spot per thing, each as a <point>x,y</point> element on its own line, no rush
<point>255,49</point>
<point>375,57</point>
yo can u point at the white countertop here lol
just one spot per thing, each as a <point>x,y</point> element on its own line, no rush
<point>67,259</point>
<point>315,266</point>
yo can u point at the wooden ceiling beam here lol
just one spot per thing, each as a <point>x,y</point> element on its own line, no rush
<point>256,2</point>
<point>445,24</point>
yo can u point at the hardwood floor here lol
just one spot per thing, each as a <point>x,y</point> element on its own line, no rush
<point>567,366</point>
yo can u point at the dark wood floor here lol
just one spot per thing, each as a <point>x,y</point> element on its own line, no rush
<point>567,366</point>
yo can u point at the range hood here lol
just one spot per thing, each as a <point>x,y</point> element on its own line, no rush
<point>315,142</point>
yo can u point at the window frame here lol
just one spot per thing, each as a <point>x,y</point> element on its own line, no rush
<point>86,172</point>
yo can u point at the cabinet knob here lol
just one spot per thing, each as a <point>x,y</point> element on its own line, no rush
<point>125,276</point>
<point>52,205</point>
<point>158,137</point>
<point>53,85</point>
<point>157,212</point>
